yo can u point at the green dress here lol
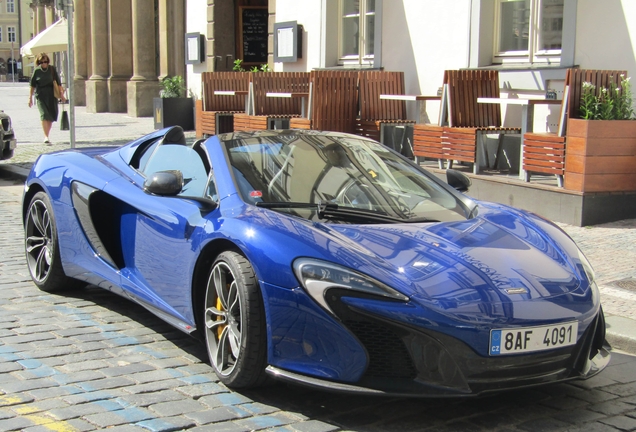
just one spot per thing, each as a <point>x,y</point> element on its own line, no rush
<point>42,81</point>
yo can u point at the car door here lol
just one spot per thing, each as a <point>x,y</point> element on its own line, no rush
<point>160,234</point>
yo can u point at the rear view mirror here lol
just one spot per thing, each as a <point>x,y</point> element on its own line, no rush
<point>458,180</point>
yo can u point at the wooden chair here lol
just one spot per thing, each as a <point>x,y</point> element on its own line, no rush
<point>215,113</point>
<point>266,111</point>
<point>466,122</point>
<point>333,105</point>
<point>375,113</point>
<point>545,152</point>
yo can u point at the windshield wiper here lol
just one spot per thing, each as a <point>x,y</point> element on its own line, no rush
<point>331,210</point>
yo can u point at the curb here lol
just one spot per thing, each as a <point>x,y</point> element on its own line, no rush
<point>621,333</point>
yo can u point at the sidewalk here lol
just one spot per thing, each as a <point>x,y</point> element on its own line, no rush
<point>611,247</point>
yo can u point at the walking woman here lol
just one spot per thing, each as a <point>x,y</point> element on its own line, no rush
<point>42,85</point>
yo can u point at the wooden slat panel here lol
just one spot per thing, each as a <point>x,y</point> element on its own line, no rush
<point>372,85</point>
<point>334,100</point>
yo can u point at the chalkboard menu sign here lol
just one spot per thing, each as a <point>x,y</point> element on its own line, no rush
<point>253,33</point>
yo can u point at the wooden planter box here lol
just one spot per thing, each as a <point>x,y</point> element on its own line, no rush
<point>600,155</point>
<point>174,112</point>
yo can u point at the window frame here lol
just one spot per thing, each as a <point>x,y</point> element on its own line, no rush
<point>11,31</point>
<point>361,59</point>
<point>533,55</point>
<point>12,4</point>
<point>1,34</point>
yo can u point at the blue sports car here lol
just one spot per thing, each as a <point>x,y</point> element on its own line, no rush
<point>320,258</point>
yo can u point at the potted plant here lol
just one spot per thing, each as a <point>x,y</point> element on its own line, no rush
<point>601,144</point>
<point>172,108</point>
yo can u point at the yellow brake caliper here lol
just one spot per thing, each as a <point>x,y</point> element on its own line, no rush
<point>219,307</point>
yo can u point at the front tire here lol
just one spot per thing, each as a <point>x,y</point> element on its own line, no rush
<point>42,249</point>
<point>234,320</point>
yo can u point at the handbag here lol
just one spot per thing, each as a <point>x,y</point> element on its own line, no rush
<point>56,90</point>
<point>64,125</point>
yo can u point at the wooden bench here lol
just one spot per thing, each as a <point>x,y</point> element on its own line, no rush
<point>333,105</point>
<point>375,112</point>
<point>214,114</point>
<point>267,110</point>
<point>545,153</point>
<point>465,121</point>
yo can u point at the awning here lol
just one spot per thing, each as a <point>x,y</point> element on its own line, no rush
<point>52,39</point>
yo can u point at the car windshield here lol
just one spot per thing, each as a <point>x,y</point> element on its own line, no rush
<point>337,178</point>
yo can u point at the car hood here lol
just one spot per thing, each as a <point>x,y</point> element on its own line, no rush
<point>496,258</point>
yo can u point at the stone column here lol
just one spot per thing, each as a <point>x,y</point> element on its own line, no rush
<point>171,38</point>
<point>41,18</point>
<point>80,49</point>
<point>143,86</point>
<point>49,15</point>
<point>120,58</point>
<point>97,85</point>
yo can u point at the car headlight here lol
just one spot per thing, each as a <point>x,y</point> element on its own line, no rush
<point>587,267</point>
<point>319,276</point>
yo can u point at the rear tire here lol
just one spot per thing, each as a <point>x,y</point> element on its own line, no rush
<point>234,322</point>
<point>42,249</point>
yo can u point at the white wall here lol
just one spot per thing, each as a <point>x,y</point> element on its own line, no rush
<point>308,13</point>
<point>606,35</point>
<point>196,22</point>
<point>423,38</point>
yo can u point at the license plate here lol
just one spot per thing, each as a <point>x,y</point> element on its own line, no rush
<point>532,339</point>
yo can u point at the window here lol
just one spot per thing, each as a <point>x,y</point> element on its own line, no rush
<point>10,34</point>
<point>10,6</point>
<point>0,34</point>
<point>528,31</point>
<point>357,31</point>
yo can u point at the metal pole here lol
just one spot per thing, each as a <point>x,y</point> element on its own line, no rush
<point>13,63</point>
<point>70,59</point>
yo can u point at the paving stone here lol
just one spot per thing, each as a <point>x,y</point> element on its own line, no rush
<point>314,426</point>
<point>167,424</point>
<point>184,406</point>
<point>224,399</point>
<point>120,417</point>
<point>106,383</point>
<point>220,414</point>
<point>579,416</point>
<point>81,410</point>
<point>80,398</point>
<point>15,424</point>
<point>612,408</point>
<point>198,390</point>
<point>154,386</point>
<point>54,392</point>
<point>147,399</point>
<point>157,375</point>
<point>623,423</point>
<point>265,421</point>
<point>8,400</point>
<point>26,385</point>
<point>127,370</point>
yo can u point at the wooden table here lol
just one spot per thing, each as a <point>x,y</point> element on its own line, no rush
<point>527,118</point>
<point>420,99</point>
<point>236,93</point>
<point>301,95</point>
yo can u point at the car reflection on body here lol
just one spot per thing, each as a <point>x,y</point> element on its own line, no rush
<point>320,258</point>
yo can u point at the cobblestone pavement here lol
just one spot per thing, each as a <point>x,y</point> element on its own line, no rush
<point>90,360</point>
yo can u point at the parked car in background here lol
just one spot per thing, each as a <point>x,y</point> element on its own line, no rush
<point>321,258</point>
<point>7,137</point>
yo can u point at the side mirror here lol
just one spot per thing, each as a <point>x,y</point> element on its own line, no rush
<point>164,183</point>
<point>458,180</point>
